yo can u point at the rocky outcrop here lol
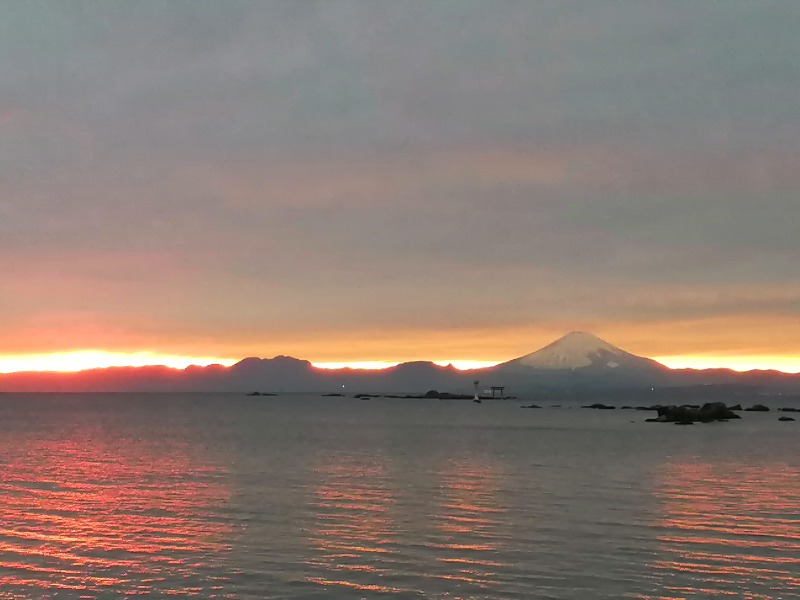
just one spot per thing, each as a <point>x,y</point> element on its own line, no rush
<point>757,408</point>
<point>684,415</point>
<point>443,395</point>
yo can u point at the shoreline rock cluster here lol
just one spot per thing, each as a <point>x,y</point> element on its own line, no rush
<point>688,415</point>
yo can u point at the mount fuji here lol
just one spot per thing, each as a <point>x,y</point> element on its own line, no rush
<point>578,364</point>
<point>581,350</point>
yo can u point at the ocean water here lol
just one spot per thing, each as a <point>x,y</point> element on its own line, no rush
<point>225,496</point>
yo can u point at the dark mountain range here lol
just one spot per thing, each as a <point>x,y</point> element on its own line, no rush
<point>578,364</point>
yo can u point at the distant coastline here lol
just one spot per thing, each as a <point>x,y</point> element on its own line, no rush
<point>577,365</point>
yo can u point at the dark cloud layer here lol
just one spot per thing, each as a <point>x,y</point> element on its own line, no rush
<point>238,175</point>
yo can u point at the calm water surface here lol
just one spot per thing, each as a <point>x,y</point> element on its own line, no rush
<point>204,496</point>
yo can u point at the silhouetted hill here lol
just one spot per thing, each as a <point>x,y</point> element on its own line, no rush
<point>579,365</point>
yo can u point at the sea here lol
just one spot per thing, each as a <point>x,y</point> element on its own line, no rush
<point>300,496</point>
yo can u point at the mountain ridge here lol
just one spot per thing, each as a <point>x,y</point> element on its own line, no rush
<point>578,362</point>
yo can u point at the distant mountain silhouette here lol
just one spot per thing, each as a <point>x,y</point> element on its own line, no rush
<point>578,363</point>
<point>580,350</point>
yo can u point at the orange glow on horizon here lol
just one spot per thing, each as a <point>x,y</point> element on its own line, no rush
<point>787,364</point>
<point>82,360</point>
<point>385,364</point>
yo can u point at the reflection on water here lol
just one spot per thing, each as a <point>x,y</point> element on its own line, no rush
<point>730,530</point>
<point>112,498</point>
<point>353,532</point>
<point>108,517</point>
<point>468,522</point>
<point>365,536</point>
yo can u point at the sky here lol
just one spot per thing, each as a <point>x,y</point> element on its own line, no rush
<point>385,181</point>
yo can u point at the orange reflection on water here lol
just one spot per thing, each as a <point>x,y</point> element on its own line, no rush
<point>108,516</point>
<point>731,530</point>
<point>352,531</point>
<point>468,520</point>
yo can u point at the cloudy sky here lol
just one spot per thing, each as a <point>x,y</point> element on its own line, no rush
<point>382,180</point>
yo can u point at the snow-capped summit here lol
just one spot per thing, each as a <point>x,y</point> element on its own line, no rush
<point>578,350</point>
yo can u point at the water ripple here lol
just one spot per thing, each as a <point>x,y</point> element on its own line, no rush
<point>729,531</point>
<point>82,519</point>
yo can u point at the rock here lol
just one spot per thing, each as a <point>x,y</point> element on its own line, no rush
<point>757,408</point>
<point>786,419</point>
<point>531,406</point>
<point>709,412</point>
<point>672,414</point>
<point>599,406</point>
<point>736,407</point>
<point>684,422</point>
<point>435,394</point>
<point>784,409</point>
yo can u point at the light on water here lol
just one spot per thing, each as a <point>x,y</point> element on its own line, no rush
<point>119,496</point>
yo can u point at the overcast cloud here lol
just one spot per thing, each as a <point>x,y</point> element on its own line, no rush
<point>416,178</point>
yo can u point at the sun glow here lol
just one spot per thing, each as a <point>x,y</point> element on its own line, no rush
<point>81,360</point>
<point>356,364</point>
<point>463,365</point>
<point>787,364</point>
<point>385,364</point>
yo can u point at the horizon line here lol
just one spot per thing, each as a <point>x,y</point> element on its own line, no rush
<point>85,360</point>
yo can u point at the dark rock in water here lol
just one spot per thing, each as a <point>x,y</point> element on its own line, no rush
<point>757,408</point>
<point>531,406</point>
<point>784,409</point>
<point>333,395</point>
<point>711,411</point>
<point>626,408</point>
<point>653,407</point>
<point>786,419</point>
<point>600,406</point>
<point>736,407</point>
<point>672,414</point>
<point>443,395</point>
<point>684,422</point>
<point>366,396</point>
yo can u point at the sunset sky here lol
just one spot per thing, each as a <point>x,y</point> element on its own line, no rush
<point>387,181</point>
